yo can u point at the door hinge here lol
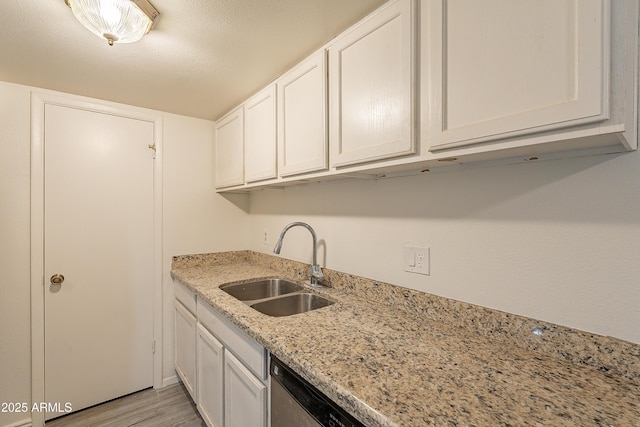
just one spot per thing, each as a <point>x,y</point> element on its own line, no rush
<point>153,346</point>
<point>153,147</point>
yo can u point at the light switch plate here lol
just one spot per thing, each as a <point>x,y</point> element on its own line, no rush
<point>416,258</point>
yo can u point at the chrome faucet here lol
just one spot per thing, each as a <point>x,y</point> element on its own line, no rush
<point>317,278</point>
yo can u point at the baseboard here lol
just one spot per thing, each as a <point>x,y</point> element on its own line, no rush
<point>170,381</point>
<point>23,423</point>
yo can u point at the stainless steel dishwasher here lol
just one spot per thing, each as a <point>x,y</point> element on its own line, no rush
<point>295,402</point>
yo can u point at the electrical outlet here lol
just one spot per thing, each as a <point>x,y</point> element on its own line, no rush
<point>265,237</point>
<point>416,258</point>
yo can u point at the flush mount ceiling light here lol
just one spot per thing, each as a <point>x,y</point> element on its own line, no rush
<point>117,21</point>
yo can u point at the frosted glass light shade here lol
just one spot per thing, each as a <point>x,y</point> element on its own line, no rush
<point>117,21</point>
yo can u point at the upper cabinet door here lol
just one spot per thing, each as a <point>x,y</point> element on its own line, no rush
<point>230,149</point>
<point>371,87</point>
<point>302,117</point>
<point>496,69</point>
<point>260,135</point>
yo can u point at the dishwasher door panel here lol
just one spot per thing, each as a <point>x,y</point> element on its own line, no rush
<point>285,410</point>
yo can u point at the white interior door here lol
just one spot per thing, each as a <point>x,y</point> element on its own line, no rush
<point>98,233</point>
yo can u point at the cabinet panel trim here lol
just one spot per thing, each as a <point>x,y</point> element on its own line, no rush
<point>590,100</point>
<point>318,160</point>
<point>354,149</point>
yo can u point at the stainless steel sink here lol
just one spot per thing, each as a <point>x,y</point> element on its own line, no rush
<point>276,297</point>
<point>291,304</point>
<point>261,289</point>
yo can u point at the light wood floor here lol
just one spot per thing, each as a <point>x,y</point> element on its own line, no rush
<point>167,407</point>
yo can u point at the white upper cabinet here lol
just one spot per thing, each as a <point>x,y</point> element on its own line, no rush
<point>229,152</point>
<point>260,135</point>
<point>428,83</point>
<point>498,69</point>
<point>371,85</point>
<point>302,117</point>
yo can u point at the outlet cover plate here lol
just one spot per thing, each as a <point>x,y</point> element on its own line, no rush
<point>416,258</point>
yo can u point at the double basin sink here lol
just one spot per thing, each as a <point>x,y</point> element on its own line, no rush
<point>276,297</point>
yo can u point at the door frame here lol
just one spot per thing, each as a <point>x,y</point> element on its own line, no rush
<point>39,99</point>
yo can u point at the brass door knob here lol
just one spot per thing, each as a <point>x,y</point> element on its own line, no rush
<point>57,279</point>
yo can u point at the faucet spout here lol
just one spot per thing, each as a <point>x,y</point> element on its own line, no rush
<point>317,278</point>
<point>276,250</point>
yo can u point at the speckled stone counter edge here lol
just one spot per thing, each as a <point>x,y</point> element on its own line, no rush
<point>609,355</point>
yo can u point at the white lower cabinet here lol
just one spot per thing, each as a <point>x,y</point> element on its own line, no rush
<point>185,347</point>
<point>245,397</point>
<point>224,369</point>
<point>210,365</point>
<point>242,392</point>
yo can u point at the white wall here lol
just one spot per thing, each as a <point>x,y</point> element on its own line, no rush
<point>15,339</point>
<point>557,240</point>
<point>196,219</point>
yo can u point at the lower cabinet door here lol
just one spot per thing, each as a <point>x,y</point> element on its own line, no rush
<point>210,380</point>
<point>185,347</point>
<point>245,397</point>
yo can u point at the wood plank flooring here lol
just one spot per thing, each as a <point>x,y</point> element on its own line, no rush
<point>167,407</point>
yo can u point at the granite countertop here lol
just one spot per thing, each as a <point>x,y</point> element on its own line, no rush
<point>392,367</point>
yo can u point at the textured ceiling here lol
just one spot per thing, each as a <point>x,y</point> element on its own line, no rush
<point>202,58</point>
